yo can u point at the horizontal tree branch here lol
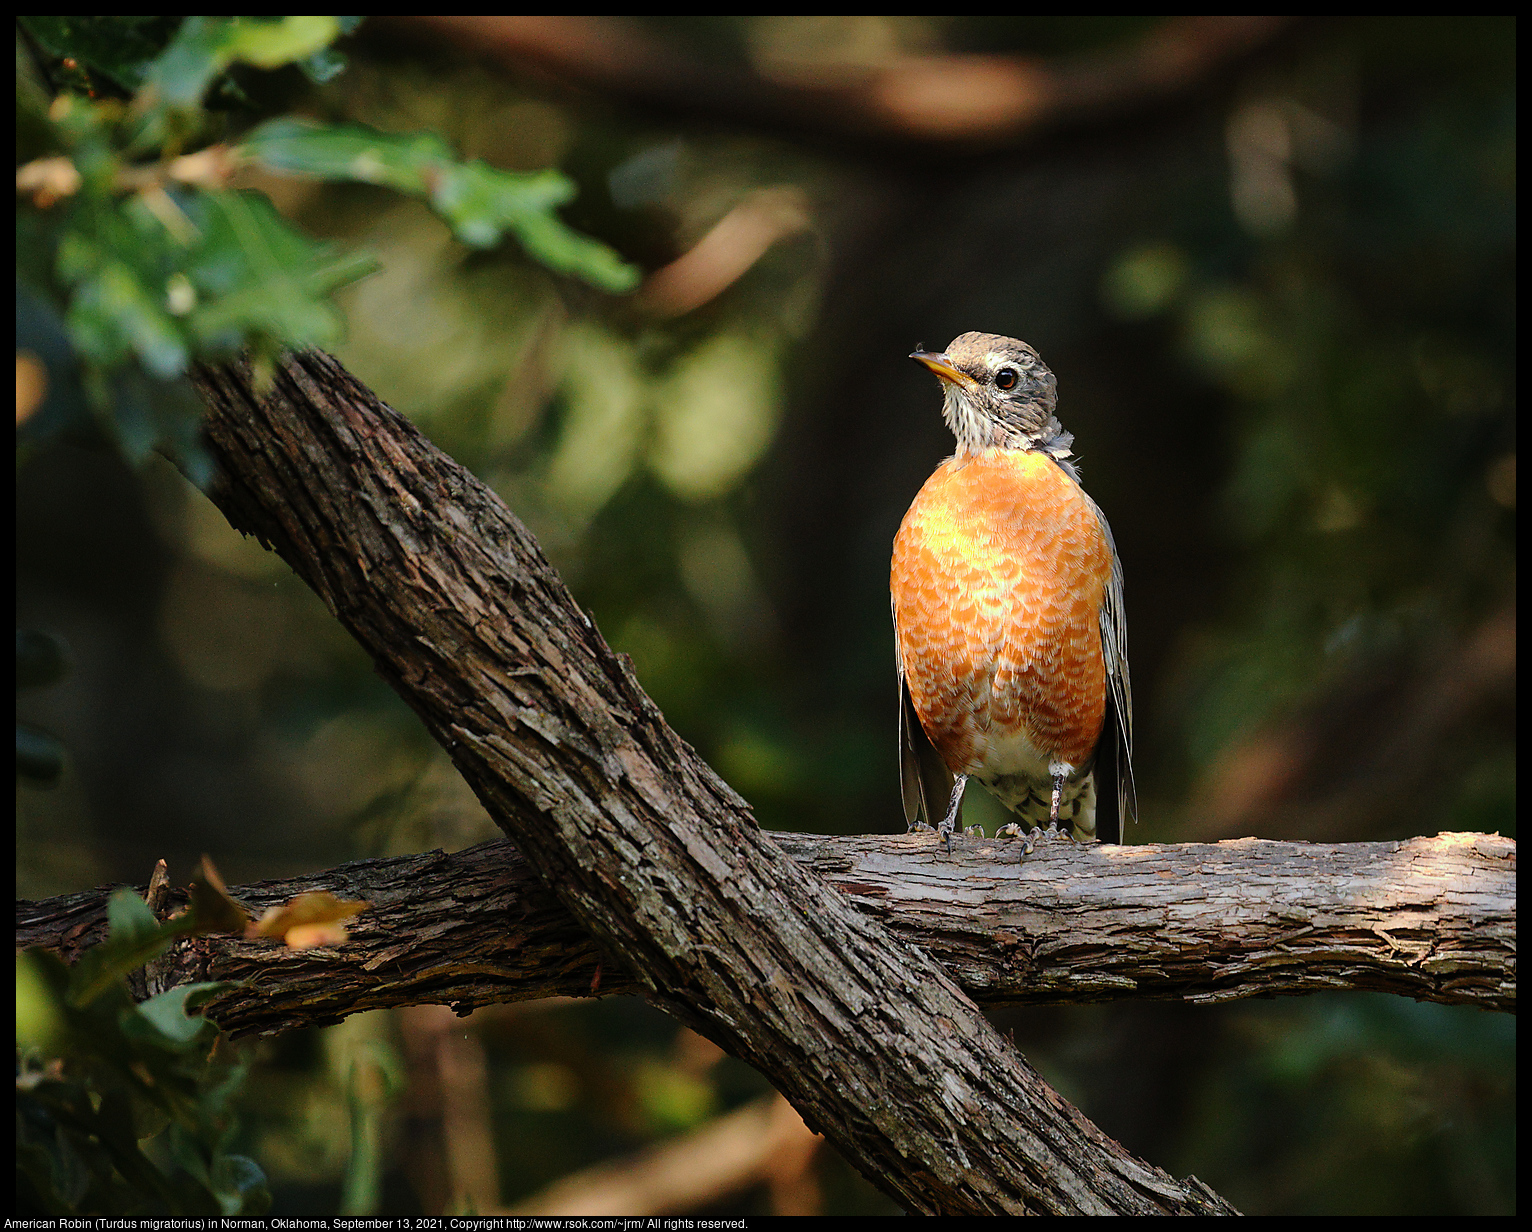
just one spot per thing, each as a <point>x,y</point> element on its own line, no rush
<point>1430,918</point>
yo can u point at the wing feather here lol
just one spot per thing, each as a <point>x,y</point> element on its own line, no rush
<point>1119,712</point>
<point>925,783</point>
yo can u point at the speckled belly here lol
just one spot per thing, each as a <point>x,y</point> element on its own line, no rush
<point>998,574</point>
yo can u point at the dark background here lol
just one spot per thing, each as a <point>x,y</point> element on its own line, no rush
<point>1279,303</point>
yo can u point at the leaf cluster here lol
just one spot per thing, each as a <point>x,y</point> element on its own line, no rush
<point>125,1108</point>
<point>138,253</point>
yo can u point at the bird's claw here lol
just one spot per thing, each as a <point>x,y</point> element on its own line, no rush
<point>1029,838</point>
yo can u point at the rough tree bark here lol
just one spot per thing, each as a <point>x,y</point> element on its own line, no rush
<point>1431,918</point>
<point>647,848</point>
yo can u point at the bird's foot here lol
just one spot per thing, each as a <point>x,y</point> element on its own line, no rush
<point>1012,830</point>
<point>1030,838</point>
<point>949,822</point>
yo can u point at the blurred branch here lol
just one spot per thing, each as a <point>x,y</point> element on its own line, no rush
<point>451,1148</point>
<point>722,1157</point>
<point>654,855</point>
<point>736,242</point>
<point>930,101</point>
<point>1430,918</point>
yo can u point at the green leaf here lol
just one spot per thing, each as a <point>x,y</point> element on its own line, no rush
<point>206,46</point>
<point>480,202</point>
<point>39,1001</point>
<point>354,152</point>
<point>119,48</point>
<point>128,917</point>
<point>134,937</point>
<point>323,65</point>
<point>113,312</point>
<point>256,275</point>
<point>169,1013</point>
<point>561,248</point>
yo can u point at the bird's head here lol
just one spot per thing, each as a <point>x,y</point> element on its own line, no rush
<point>998,392</point>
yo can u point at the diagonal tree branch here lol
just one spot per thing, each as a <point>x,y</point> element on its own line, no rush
<point>650,851</point>
<point>1432,918</point>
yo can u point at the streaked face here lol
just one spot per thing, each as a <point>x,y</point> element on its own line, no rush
<point>997,391</point>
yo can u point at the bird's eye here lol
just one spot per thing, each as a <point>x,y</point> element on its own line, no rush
<point>1006,378</point>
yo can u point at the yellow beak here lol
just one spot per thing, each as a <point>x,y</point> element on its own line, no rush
<point>942,366</point>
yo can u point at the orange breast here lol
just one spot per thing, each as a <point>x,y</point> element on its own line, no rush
<point>998,574</point>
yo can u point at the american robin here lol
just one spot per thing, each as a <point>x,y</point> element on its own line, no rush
<point>1008,613</point>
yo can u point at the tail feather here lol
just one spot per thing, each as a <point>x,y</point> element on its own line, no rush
<point>1116,803</point>
<point>925,783</point>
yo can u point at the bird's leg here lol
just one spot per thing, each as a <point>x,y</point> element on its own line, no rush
<point>950,820</point>
<point>1060,771</point>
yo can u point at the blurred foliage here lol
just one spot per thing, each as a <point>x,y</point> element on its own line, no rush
<point>1366,1103</point>
<point>41,659</point>
<point>135,260</point>
<point>126,1107</point>
<point>1282,317</point>
<point>1369,409</point>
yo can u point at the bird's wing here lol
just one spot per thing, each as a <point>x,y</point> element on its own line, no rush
<point>925,783</point>
<point>1116,746</point>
